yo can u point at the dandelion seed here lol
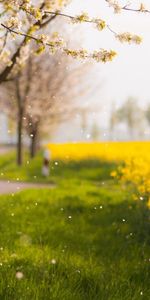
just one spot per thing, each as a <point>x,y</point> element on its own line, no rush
<point>141,293</point>
<point>53,261</point>
<point>19,275</point>
<point>88,136</point>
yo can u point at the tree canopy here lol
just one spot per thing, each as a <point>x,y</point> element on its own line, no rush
<point>23,21</point>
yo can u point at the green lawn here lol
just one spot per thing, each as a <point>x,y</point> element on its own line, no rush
<point>86,239</point>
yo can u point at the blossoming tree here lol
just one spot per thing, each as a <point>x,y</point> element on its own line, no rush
<point>54,103</point>
<point>23,21</point>
<point>38,103</point>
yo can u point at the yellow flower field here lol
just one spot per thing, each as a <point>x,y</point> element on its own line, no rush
<point>135,155</point>
<point>109,151</point>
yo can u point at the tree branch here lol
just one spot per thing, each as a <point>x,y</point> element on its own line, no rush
<point>5,73</point>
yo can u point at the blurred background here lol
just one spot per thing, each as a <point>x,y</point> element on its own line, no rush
<point>100,101</point>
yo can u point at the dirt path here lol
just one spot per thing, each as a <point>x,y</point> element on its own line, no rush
<point>10,187</point>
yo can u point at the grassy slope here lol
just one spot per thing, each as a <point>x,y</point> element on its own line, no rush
<point>102,252</point>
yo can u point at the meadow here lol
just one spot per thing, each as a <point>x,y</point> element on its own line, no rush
<point>87,238</point>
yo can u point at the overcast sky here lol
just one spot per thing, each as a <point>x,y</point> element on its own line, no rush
<point>129,74</point>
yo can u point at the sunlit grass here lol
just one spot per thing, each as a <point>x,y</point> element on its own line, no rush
<point>84,239</point>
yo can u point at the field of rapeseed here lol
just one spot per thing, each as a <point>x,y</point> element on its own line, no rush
<point>110,151</point>
<point>135,157</point>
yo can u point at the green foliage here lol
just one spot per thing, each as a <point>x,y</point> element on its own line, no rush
<point>84,239</point>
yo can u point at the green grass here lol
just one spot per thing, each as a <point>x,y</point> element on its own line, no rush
<point>98,236</point>
<point>31,169</point>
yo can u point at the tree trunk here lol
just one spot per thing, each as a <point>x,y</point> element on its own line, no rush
<point>19,140</point>
<point>33,144</point>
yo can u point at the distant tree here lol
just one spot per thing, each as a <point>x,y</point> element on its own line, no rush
<point>95,131</point>
<point>113,120</point>
<point>54,102</point>
<point>147,114</point>
<point>83,116</point>
<point>131,114</point>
